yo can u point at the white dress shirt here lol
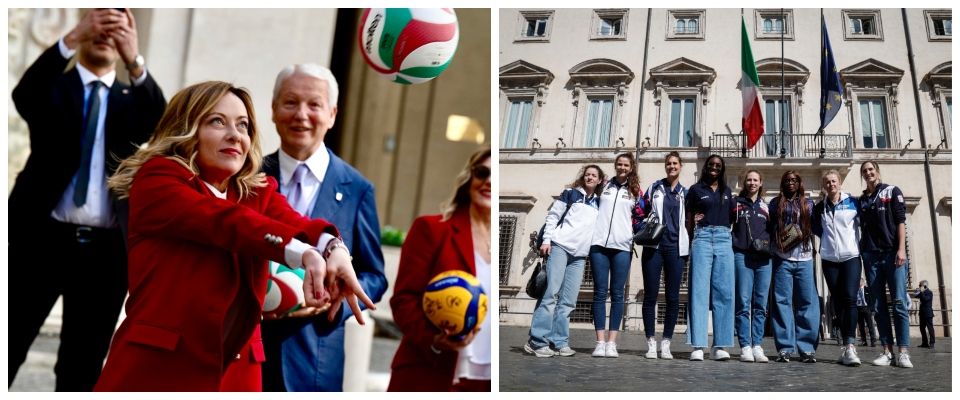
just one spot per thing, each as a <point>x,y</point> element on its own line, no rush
<point>474,360</point>
<point>98,209</point>
<point>317,162</point>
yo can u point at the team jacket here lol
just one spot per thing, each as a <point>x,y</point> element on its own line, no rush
<point>838,228</point>
<point>576,232</point>
<point>758,215</point>
<point>617,212</point>
<point>653,201</point>
<point>879,216</point>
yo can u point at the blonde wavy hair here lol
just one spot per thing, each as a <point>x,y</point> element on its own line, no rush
<point>461,195</point>
<point>176,138</point>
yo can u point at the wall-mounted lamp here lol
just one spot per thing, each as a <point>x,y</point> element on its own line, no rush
<point>647,144</point>
<point>536,144</point>
<point>943,143</point>
<point>622,143</point>
<point>561,142</point>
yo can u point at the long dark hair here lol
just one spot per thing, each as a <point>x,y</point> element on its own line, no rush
<point>632,178</point>
<point>721,178</point>
<point>806,233</point>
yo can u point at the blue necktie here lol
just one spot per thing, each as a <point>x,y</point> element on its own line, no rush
<point>297,200</point>
<point>89,136</point>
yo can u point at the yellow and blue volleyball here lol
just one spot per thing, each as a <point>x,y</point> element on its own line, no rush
<point>408,45</point>
<point>284,289</point>
<point>454,301</point>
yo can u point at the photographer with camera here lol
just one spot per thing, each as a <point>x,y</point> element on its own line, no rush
<point>926,314</point>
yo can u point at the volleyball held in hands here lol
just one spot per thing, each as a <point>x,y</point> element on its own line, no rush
<point>454,301</point>
<point>408,45</point>
<point>284,290</point>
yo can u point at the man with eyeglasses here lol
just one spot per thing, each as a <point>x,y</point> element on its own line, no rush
<point>304,350</point>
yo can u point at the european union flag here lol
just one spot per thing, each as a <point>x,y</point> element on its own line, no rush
<point>830,98</point>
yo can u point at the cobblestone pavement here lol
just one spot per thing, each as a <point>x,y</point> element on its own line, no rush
<point>632,372</point>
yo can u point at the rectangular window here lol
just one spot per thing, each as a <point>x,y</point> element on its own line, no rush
<point>508,225</point>
<point>872,124</point>
<point>943,27</point>
<point>681,122</point>
<point>518,123</point>
<point>773,25</point>
<point>776,118</point>
<point>610,27</point>
<point>687,26</point>
<point>599,116</point>
<point>862,26</point>
<point>536,27</point>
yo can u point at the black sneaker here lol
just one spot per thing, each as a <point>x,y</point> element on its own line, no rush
<point>807,357</point>
<point>784,356</point>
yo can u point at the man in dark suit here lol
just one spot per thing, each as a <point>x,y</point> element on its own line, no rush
<point>304,350</point>
<point>926,314</point>
<point>865,316</point>
<point>63,230</point>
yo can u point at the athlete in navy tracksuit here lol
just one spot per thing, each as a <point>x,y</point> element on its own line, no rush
<point>753,269</point>
<point>883,248</point>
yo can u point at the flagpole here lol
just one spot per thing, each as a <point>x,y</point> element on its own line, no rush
<point>743,134</point>
<point>823,151</point>
<point>783,25</point>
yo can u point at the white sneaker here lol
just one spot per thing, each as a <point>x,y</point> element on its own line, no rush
<point>903,360</point>
<point>565,352</point>
<point>697,354</point>
<point>611,350</point>
<point>758,354</point>
<point>599,350</point>
<point>746,354</point>
<point>719,355</point>
<point>884,359</point>
<point>849,357</point>
<point>665,350</point>
<point>651,349</point>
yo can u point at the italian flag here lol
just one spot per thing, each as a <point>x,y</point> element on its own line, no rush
<point>752,119</point>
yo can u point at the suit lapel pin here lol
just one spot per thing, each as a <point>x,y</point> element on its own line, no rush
<point>126,91</point>
<point>339,196</point>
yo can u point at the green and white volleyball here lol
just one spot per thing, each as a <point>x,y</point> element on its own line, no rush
<point>284,289</point>
<point>408,45</point>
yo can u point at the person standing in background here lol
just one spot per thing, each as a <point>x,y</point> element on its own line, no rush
<point>865,315</point>
<point>60,201</point>
<point>926,314</point>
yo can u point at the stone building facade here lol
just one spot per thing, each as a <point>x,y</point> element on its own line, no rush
<point>578,86</point>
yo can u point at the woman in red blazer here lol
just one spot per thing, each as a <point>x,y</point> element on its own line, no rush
<point>203,224</point>
<point>459,239</point>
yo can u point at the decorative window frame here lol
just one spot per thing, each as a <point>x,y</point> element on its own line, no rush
<point>795,77</point>
<point>872,79</point>
<point>928,17</point>
<point>519,206</point>
<point>673,15</point>
<point>609,13</point>
<point>847,26</point>
<point>760,14</point>
<point>681,78</point>
<point>522,19</point>
<point>521,80</point>
<point>940,80</point>
<point>599,78</point>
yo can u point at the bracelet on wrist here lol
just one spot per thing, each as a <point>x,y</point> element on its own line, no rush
<point>331,246</point>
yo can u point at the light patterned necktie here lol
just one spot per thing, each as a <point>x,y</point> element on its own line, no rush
<point>297,200</point>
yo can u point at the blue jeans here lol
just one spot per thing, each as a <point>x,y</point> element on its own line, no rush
<point>551,318</point>
<point>843,280</point>
<point>711,282</point>
<point>881,271</point>
<point>610,269</point>
<point>796,321</point>
<point>753,287</point>
<point>671,264</point>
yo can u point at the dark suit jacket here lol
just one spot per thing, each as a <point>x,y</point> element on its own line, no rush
<point>926,303</point>
<point>312,348</point>
<point>431,247</point>
<point>51,102</point>
<point>198,277</point>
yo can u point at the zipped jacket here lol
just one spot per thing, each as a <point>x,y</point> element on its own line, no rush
<point>617,209</point>
<point>653,200</point>
<point>576,232</point>
<point>838,227</point>
<point>754,213</point>
<point>879,216</point>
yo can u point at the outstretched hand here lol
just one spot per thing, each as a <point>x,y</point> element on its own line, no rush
<point>342,283</point>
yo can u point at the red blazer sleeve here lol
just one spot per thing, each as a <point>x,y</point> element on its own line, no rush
<point>416,266</point>
<point>168,201</point>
